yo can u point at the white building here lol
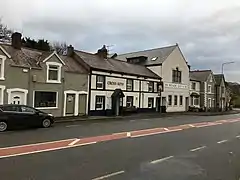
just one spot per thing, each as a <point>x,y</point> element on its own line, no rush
<point>194,87</point>
<point>170,64</point>
<point>116,86</point>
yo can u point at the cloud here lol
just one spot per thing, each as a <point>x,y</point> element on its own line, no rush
<point>207,32</point>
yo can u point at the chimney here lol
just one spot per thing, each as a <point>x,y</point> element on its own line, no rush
<point>17,40</point>
<point>70,51</point>
<point>103,52</point>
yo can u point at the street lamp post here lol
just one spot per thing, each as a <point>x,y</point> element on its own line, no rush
<point>223,64</point>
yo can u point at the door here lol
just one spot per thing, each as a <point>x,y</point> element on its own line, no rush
<point>70,104</point>
<point>158,104</point>
<point>186,103</point>
<point>82,104</point>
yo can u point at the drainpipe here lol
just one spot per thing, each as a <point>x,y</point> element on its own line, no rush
<point>63,87</point>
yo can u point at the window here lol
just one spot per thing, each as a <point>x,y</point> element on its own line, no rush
<point>181,100</point>
<point>175,100</point>
<point>169,100</point>
<point>209,102</point>
<point>100,102</point>
<point>11,108</point>
<point>196,101</point>
<point>129,85</point>
<point>193,86</point>
<point>150,86</point>
<point>26,109</point>
<point>192,101</point>
<point>45,99</point>
<point>2,64</point>
<point>100,82</point>
<point>209,88</point>
<point>53,72</point>
<point>129,102</point>
<point>222,89</point>
<point>176,76</point>
<point>154,58</point>
<point>150,102</point>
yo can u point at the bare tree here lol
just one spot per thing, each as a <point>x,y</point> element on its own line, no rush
<point>5,32</point>
<point>60,47</point>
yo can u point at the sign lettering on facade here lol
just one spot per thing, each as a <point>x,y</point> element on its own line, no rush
<point>113,83</point>
<point>176,86</point>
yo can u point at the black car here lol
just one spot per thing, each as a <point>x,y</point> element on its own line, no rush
<point>12,115</point>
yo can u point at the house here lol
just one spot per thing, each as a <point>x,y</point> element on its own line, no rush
<point>194,90</point>
<point>44,80</point>
<point>115,85</point>
<point>221,93</point>
<point>170,64</point>
<point>207,87</point>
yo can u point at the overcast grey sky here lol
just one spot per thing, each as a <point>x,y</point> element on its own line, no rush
<point>207,31</point>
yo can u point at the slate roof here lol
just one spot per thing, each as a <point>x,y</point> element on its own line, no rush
<point>160,53</point>
<point>31,57</point>
<point>114,65</point>
<point>200,75</point>
<point>218,78</point>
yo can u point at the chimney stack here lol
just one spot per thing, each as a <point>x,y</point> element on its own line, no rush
<point>70,51</point>
<point>103,52</point>
<point>17,40</point>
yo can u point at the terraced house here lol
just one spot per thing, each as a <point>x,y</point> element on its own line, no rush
<point>170,64</point>
<point>44,80</point>
<point>207,88</point>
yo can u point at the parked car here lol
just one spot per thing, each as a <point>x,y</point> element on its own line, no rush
<point>12,115</point>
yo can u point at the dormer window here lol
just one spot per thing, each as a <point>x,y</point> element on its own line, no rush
<point>54,72</point>
<point>2,65</point>
<point>154,58</point>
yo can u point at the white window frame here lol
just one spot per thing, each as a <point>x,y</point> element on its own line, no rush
<point>152,104</point>
<point>45,107</point>
<point>102,103</point>
<point>130,102</point>
<point>100,82</point>
<point>209,104</point>
<point>25,91</point>
<point>3,59</point>
<point>209,90</point>
<point>181,102</point>
<point>194,83</point>
<point>175,96</point>
<point>59,65</point>
<point>2,89</point>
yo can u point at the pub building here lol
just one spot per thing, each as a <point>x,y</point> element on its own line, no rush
<point>117,87</point>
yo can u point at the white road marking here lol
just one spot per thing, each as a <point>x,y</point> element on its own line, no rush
<point>109,175</point>
<point>46,150</point>
<point>75,125</point>
<point>128,134</point>
<point>149,134</point>
<point>166,129</point>
<point>197,149</point>
<point>161,160</point>
<point>43,143</point>
<point>74,142</point>
<point>223,141</point>
<point>132,120</point>
<point>175,130</point>
<point>191,125</point>
<point>238,136</point>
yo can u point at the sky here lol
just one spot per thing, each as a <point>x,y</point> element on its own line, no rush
<point>207,31</point>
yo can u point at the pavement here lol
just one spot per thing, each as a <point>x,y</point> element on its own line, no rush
<point>184,147</point>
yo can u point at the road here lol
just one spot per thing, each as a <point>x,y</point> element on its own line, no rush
<point>184,147</point>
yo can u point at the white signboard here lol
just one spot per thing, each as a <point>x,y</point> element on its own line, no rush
<point>114,83</point>
<point>175,86</point>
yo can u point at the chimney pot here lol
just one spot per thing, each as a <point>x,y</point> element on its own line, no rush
<point>103,52</point>
<point>17,40</point>
<point>70,50</point>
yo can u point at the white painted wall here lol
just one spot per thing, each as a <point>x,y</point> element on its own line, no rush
<point>121,83</point>
<point>175,59</point>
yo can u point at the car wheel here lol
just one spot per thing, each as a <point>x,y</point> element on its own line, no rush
<point>3,126</point>
<point>46,123</point>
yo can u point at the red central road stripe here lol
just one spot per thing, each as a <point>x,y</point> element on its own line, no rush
<point>68,143</point>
